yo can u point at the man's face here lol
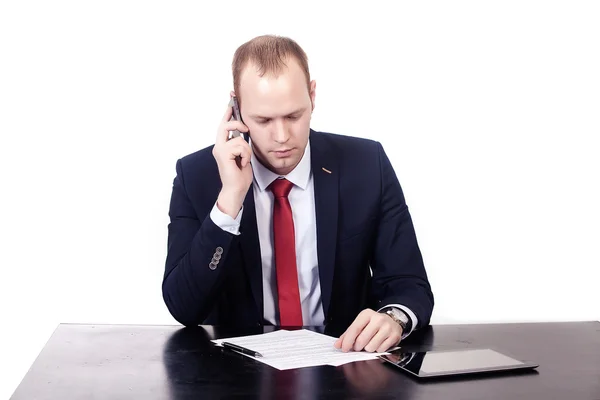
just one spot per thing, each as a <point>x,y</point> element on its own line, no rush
<point>277,112</point>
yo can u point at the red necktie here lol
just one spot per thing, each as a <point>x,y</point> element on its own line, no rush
<point>290,310</point>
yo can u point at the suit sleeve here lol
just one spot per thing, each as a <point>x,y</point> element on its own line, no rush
<point>197,251</point>
<point>399,275</point>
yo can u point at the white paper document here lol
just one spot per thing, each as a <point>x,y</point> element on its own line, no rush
<point>297,349</point>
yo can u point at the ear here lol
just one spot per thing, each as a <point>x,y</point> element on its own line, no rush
<point>232,94</point>
<point>312,93</point>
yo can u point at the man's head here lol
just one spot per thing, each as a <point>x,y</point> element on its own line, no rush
<point>277,97</point>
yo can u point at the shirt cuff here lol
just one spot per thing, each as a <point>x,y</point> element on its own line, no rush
<point>224,221</point>
<point>411,315</point>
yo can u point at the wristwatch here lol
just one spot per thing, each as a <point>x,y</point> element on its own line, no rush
<point>400,317</point>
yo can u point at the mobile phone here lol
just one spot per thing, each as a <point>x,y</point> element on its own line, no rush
<point>237,115</point>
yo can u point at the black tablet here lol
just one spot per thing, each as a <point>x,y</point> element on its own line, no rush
<point>429,364</point>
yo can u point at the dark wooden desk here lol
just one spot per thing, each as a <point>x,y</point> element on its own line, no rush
<point>171,362</point>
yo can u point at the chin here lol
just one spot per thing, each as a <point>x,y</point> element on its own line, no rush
<point>283,165</point>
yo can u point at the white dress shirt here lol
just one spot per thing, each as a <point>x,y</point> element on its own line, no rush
<point>302,201</point>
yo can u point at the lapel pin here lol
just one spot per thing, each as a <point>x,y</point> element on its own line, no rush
<point>326,170</point>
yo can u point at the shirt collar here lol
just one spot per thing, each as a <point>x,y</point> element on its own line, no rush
<point>298,176</point>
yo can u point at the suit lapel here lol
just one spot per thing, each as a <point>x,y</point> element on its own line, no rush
<point>250,248</point>
<point>326,179</point>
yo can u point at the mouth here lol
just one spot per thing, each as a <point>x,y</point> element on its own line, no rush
<point>283,153</point>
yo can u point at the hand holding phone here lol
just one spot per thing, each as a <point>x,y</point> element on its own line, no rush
<point>232,154</point>
<point>237,116</point>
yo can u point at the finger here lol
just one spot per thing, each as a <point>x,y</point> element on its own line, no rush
<point>222,133</point>
<point>228,112</point>
<point>390,342</point>
<point>366,335</point>
<point>246,155</point>
<point>338,343</point>
<point>246,158</point>
<point>238,141</point>
<point>239,151</point>
<point>354,330</point>
<point>235,124</point>
<point>383,333</point>
<point>225,129</point>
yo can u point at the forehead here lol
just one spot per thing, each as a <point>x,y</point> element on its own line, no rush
<point>272,93</point>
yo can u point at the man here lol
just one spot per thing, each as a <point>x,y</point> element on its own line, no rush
<point>296,227</point>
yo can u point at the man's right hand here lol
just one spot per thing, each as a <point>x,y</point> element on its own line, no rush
<point>235,180</point>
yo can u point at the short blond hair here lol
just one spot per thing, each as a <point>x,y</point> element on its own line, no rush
<point>268,53</point>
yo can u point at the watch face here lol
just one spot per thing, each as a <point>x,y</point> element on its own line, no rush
<point>399,316</point>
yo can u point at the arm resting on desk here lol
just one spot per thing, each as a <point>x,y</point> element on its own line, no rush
<point>191,285</point>
<point>399,275</point>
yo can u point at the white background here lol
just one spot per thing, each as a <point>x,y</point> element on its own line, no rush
<point>489,111</point>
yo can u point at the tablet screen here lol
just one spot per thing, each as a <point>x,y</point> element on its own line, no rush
<point>440,363</point>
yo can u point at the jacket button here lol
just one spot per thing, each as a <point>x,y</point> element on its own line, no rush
<point>212,266</point>
<point>219,250</point>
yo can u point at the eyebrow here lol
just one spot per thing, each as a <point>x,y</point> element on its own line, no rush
<point>300,110</point>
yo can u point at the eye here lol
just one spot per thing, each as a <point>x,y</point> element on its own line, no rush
<point>293,117</point>
<point>264,121</point>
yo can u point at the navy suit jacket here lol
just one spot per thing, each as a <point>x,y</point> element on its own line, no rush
<point>363,224</point>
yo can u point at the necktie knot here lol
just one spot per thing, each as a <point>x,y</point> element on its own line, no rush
<point>281,187</point>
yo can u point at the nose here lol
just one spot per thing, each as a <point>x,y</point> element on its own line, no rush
<point>281,133</point>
